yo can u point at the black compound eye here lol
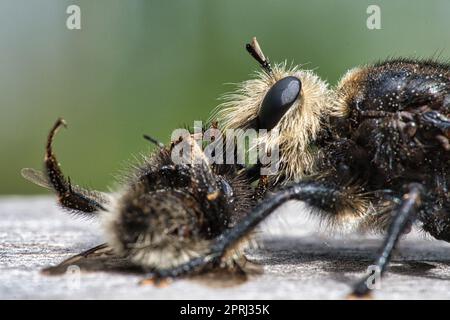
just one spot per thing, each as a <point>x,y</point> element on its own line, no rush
<point>277,101</point>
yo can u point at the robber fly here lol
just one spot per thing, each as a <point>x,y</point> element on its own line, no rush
<point>371,153</point>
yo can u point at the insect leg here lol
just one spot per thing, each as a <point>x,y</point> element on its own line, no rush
<point>436,119</point>
<point>69,196</point>
<point>405,213</point>
<point>315,194</point>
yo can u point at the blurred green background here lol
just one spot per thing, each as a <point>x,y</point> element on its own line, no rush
<point>150,66</point>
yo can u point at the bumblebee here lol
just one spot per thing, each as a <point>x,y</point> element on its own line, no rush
<point>370,154</point>
<point>163,214</point>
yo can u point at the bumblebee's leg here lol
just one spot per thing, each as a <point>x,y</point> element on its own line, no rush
<point>69,196</point>
<point>405,213</point>
<point>318,195</point>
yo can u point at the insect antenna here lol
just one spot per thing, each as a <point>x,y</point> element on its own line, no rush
<point>153,140</point>
<point>255,51</point>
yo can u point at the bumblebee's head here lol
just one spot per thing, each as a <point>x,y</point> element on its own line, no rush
<point>295,102</point>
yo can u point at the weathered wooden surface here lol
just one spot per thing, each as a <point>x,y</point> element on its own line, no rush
<point>299,263</point>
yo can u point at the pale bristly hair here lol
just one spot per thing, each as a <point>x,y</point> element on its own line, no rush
<point>298,128</point>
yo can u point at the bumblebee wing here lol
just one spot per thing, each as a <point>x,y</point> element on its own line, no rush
<point>99,258</point>
<point>36,176</point>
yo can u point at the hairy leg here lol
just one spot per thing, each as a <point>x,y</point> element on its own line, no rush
<point>70,197</point>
